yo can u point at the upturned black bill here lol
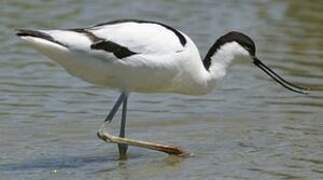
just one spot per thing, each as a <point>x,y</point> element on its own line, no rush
<point>288,85</point>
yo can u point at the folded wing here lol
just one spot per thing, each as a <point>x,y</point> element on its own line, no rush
<point>115,39</point>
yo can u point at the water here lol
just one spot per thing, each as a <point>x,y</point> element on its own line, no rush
<point>250,128</point>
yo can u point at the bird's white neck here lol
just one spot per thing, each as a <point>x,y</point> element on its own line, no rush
<point>221,61</point>
<point>205,76</point>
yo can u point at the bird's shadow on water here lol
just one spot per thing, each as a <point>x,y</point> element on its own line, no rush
<point>75,162</point>
<point>170,160</point>
<point>141,168</point>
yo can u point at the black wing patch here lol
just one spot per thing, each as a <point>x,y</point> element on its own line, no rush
<point>88,34</point>
<point>109,46</point>
<point>179,35</point>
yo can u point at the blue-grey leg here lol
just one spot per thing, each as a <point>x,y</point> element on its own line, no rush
<point>115,107</point>
<point>122,99</point>
<point>123,142</point>
<point>112,113</point>
<point>123,147</point>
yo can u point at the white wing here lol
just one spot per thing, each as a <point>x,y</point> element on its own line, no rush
<point>119,39</point>
<point>141,36</point>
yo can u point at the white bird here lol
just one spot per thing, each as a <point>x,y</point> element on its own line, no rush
<point>144,56</point>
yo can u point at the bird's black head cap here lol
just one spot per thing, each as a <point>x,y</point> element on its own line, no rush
<point>233,36</point>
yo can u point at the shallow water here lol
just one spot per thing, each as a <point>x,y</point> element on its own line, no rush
<point>250,128</point>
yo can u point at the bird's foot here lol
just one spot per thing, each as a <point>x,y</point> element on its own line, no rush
<point>123,151</point>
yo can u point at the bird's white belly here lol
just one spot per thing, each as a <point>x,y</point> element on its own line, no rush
<point>115,73</point>
<point>139,78</point>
